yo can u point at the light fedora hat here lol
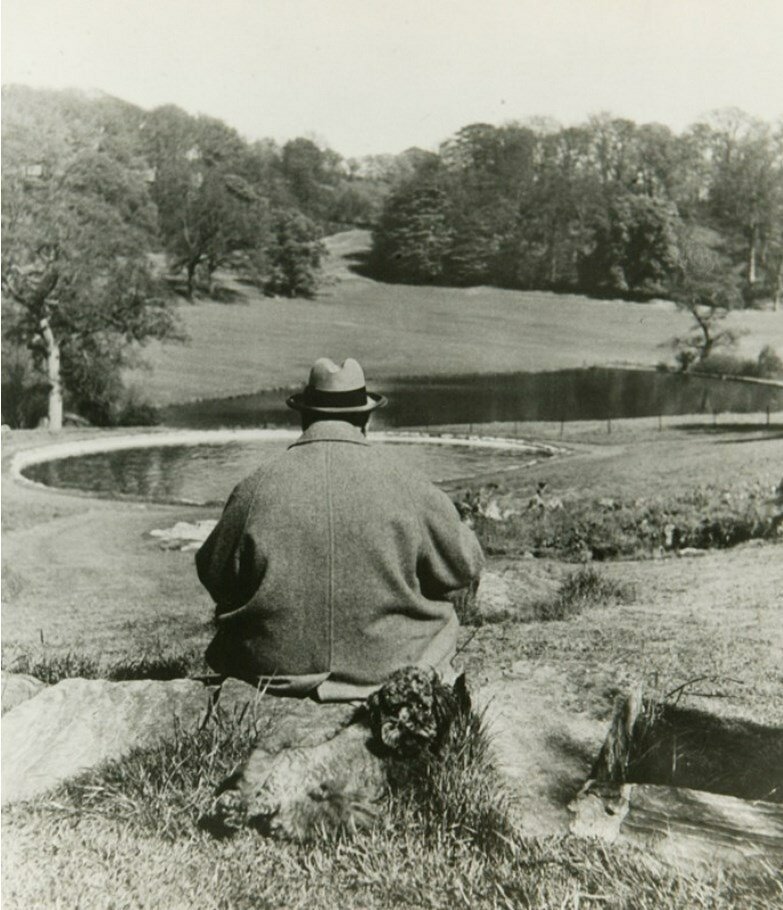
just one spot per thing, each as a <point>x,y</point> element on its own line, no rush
<point>336,390</point>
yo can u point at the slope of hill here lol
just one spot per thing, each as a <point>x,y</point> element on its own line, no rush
<point>403,330</point>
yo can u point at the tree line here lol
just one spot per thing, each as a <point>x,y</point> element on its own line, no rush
<point>608,207</point>
<point>105,206</point>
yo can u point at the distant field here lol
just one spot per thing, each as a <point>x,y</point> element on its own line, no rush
<point>399,330</point>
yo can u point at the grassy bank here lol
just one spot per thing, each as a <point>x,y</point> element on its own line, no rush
<point>256,342</point>
<point>84,582</point>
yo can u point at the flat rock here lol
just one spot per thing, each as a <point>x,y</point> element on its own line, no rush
<point>79,723</point>
<point>282,723</point>
<point>544,752</point>
<point>18,687</point>
<point>184,535</point>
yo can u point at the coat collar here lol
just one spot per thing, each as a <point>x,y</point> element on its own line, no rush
<point>331,431</point>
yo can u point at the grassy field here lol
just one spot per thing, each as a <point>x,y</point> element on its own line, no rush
<point>86,589</point>
<point>256,342</point>
<point>84,582</point>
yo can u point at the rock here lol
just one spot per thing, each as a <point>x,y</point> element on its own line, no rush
<point>18,687</point>
<point>298,792</point>
<point>184,535</point>
<point>79,723</point>
<point>282,723</point>
<point>544,752</point>
<point>328,773</point>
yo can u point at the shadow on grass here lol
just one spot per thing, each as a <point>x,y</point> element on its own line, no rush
<point>770,431</point>
<point>566,786</point>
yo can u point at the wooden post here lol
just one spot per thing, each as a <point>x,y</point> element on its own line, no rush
<point>660,423</point>
<point>609,425</point>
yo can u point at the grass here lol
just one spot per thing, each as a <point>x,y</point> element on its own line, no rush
<point>580,591</point>
<point>53,667</point>
<point>131,828</point>
<point>86,576</point>
<point>393,330</point>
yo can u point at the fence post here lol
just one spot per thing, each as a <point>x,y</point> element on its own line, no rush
<point>660,423</point>
<point>562,422</point>
<point>609,425</point>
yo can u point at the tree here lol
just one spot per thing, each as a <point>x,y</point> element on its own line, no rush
<point>293,256</point>
<point>207,209</point>
<point>635,245</point>
<point>76,272</point>
<point>705,287</point>
<point>414,234</point>
<point>747,187</point>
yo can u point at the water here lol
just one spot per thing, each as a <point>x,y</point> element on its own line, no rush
<point>206,474</point>
<point>591,394</point>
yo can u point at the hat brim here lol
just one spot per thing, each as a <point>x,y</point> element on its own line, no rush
<point>374,400</point>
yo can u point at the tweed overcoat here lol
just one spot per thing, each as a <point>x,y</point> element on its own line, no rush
<point>330,567</point>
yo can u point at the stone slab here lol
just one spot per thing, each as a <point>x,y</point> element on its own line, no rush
<point>18,687</point>
<point>79,723</point>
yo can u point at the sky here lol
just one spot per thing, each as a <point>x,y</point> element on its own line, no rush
<point>374,76</point>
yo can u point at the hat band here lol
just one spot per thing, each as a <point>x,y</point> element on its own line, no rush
<point>317,398</point>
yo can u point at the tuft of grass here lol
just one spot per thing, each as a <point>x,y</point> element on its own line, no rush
<point>52,668</point>
<point>581,590</point>
<point>162,789</point>
<point>454,796</point>
<point>163,666</point>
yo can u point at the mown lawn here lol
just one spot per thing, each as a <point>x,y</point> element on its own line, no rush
<point>255,343</point>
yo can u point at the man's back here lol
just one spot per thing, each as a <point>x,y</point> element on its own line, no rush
<point>330,568</point>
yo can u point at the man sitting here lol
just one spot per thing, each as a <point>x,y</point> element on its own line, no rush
<point>331,565</point>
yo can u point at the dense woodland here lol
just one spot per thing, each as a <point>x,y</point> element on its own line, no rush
<point>109,211</point>
<point>608,207</point>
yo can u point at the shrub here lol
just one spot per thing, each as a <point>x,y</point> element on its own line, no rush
<point>600,529</point>
<point>582,590</point>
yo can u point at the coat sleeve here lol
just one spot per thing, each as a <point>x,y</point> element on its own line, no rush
<point>227,563</point>
<point>451,556</point>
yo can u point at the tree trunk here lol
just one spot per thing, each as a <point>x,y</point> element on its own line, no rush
<point>54,377</point>
<point>752,257</point>
<point>191,274</point>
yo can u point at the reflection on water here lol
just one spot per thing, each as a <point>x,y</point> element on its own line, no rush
<point>592,394</point>
<point>207,473</point>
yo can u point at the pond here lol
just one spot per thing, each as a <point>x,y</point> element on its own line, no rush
<point>588,394</point>
<point>206,473</point>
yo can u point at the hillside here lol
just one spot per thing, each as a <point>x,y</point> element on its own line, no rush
<point>256,342</point>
